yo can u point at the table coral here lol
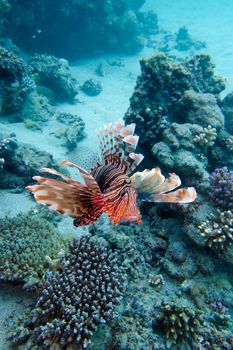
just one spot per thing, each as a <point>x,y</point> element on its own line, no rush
<point>25,241</point>
<point>77,299</point>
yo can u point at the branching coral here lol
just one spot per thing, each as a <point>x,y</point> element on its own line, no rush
<point>206,138</point>
<point>180,324</point>
<point>218,230</point>
<point>25,241</point>
<point>221,181</point>
<point>77,299</point>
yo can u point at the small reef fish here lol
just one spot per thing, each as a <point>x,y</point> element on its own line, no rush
<point>109,188</point>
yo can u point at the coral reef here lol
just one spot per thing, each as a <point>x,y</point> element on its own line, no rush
<point>36,111</point>
<point>227,108</point>
<point>206,138</point>
<point>25,241</point>
<point>185,42</point>
<point>73,132</point>
<point>218,230</point>
<point>180,324</point>
<point>21,162</point>
<point>77,299</point>
<point>176,108</point>
<point>221,181</point>
<point>84,28</point>
<point>15,84</point>
<point>91,87</point>
<point>7,145</point>
<point>54,74</point>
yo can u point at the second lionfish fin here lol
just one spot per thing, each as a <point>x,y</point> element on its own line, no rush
<point>119,139</point>
<point>152,186</point>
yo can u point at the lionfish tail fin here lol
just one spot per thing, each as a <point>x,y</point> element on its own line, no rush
<point>68,196</point>
<point>152,186</point>
<point>119,139</point>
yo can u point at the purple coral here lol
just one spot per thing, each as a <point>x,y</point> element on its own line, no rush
<point>221,181</point>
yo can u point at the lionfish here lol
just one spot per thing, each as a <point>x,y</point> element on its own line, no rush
<point>109,187</point>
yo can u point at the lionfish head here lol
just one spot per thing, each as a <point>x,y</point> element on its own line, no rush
<point>125,208</point>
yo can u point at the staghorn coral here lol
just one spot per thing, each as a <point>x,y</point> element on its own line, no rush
<point>54,74</point>
<point>25,241</point>
<point>221,181</point>
<point>179,323</point>
<point>218,230</point>
<point>78,298</point>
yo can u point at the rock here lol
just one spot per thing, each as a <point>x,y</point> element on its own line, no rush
<point>91,87</point>
<point>199,108</point>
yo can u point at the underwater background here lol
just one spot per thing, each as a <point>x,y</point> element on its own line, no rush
<point>67,68</point>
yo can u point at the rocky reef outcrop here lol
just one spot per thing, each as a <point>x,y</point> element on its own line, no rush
<point>177,110</point>
<point>81,28</point>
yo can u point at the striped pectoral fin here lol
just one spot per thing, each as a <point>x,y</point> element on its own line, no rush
<point>182,195</point>
<point>73,199</point>
<point>87,177</point>
<point>152,186</point>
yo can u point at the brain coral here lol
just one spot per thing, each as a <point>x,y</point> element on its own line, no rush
<point>25,241</point>
<point>78,298</point>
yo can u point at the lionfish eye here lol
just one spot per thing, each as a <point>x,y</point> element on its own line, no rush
<point>122,194</point>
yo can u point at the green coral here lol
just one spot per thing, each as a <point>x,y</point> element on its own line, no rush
<point>218,230</point>
<point>25,241</point>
